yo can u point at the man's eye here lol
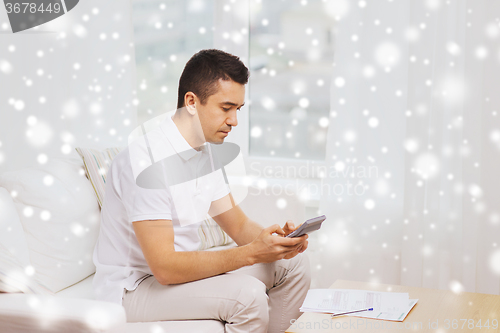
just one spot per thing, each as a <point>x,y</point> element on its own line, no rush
<point>226,109</point>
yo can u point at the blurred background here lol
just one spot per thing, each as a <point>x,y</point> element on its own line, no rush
<point>381,114</point>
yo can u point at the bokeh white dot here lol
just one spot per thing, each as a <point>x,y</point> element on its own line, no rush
<point>339,82</point>
<point>281,203</point>
<point>48,180</point>
<point>369,204</point>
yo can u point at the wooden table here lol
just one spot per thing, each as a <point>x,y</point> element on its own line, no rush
<point>437,311</point>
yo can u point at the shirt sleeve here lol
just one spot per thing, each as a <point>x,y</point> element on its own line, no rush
<point>221,189</point>
<point>142,203</point>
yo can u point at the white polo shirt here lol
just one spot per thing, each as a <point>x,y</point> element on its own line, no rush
<point>119,261</point>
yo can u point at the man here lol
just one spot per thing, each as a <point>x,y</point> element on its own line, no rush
<point>146,256</point>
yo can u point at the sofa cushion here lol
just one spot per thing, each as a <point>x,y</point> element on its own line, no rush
<point>82,289</point>
<point>60,217</point>
<point>15,278</point>
<point>23,313</point>
<point>11,230</point>
<point>97,163</point>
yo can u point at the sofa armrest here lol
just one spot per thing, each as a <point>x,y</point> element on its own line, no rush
<point>33,313</point>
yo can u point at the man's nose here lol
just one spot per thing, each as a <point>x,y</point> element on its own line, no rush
<point>232,120</point>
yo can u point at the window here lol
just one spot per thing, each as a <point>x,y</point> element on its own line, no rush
<point>291,57</point>
<point>167,33</point>
<point>289,47</point>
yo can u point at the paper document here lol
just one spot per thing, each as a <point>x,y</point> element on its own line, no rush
<point>394,316</point>
<point>343,300</point>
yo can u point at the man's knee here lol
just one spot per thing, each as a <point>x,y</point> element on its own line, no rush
<point>253,291</point>
<point>303,266</point>
<point>253,298</point>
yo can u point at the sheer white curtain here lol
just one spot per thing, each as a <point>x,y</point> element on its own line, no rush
<point>414,124</point>
<point>67,83</point>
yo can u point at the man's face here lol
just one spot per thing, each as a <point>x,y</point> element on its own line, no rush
<point>219,114</point>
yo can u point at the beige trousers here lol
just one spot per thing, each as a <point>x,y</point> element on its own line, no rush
<point>260,298</point>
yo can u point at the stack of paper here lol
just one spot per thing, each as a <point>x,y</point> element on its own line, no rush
<point>387,306</point>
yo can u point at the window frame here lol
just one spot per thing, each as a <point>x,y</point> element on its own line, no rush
<point>225,21</point>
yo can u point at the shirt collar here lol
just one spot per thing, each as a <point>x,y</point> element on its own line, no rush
<point>181,146</point>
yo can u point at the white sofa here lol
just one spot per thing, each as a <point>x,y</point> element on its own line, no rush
<point>49,222</point>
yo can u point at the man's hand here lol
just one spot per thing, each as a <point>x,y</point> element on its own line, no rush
<point>289,228</point>
<point>268,247</point>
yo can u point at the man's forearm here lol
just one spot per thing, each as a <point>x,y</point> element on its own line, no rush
<point>186,266</point>
<point>248,232</point>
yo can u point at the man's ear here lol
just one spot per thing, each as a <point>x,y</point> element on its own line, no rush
<point>190,102</point>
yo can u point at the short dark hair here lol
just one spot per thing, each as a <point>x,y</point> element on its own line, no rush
<point>202,73</point>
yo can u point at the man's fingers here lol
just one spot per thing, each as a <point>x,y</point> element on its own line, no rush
<point>299,246</point>
<point>277,229</point>
<point>304,247</point>
<point>290,241</point>
<point>294,250</point>
<point>301,239</point>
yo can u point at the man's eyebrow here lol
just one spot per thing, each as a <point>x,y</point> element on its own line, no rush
<point>232,104</point>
